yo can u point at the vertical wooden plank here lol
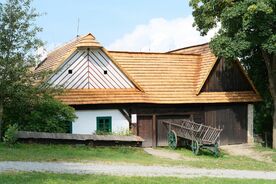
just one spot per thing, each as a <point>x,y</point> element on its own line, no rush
<point>145,130</point>
<point>154,131</point>
<point>226,77</point>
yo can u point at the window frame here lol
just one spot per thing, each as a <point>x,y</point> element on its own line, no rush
<point>104,118</point>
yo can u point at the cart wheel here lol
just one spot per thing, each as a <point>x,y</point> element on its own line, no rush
<point>216,150</point>
<point>172,139</point>
<point>195,147</point>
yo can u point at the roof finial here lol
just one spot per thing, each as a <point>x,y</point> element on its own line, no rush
<point>78,26</point>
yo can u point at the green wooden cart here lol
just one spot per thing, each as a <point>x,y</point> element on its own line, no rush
<point>199,136</point>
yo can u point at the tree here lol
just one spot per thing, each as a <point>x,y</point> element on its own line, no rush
<point>263,110</point>
<point>247,28</point>
<point>19,96</point>
<point>17,43</point>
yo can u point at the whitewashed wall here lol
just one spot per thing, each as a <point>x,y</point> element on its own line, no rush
<point>90,69</point>
<point>86,122</point>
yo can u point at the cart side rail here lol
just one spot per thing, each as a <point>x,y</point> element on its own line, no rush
<point>193,131</point>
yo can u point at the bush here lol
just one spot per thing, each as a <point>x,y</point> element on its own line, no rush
<point>10,136</point>
<point>43,113</point>
<point>50,115</point>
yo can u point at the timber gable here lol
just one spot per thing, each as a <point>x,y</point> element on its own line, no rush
<point>226,77</point>
<point>89,67</point>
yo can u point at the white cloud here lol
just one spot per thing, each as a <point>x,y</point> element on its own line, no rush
<point>161,35</point>
<point>45,49</point>
<point>41,53</point>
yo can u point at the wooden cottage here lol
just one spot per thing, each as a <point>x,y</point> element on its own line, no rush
<point>117,91</point>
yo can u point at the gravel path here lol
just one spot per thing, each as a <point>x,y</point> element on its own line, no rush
<point>131,170</point>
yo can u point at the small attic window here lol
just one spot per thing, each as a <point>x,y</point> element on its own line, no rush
<point>105,72</point>
<point>70,71</point>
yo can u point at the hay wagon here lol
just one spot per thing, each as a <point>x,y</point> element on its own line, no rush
<point>200,136</point>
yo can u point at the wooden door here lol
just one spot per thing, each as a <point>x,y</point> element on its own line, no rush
<point>144,130</point>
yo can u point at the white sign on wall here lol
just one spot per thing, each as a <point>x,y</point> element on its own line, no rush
<point>133,118</point>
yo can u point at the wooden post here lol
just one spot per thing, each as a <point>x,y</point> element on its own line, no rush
<point>154,131</point>
<point>250,116</point>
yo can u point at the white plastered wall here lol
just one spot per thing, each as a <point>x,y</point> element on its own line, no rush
<point>250,116</point>
<point>86,122</point>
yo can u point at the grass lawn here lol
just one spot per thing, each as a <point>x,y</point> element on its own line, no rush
<point>48,178</point>
<point>79,153</point>
<point>38,152</point>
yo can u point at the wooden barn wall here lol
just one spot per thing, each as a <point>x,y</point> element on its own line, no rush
<point>231,117</point>
<point>226,76</point>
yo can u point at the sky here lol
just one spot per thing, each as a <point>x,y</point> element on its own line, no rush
<point>134,25</point>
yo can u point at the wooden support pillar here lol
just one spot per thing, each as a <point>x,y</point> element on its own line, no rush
<point>250,116</point>
<point>154,131</point>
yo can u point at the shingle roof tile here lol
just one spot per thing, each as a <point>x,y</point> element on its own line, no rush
<point>161,78</point>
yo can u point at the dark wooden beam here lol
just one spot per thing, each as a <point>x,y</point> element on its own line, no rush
<point>125,114</point>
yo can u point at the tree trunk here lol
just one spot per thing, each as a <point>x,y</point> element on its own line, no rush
<point>270,61</point>
<point>274,125</point>
<point>1,120</point>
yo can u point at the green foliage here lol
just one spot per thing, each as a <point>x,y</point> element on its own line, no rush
<point>244,25</point>
<point>49,115</point>
<point>123,132</point>
<point>10,136</point>
<point>262,110</point>
<point>18,42</point>
<point>99,132</point>
<point>23,99</point>
<point>37,110</point>
<point>246,31</point>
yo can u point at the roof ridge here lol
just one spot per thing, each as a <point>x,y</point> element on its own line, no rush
<point>188,47</point>
<point>162,53</point>
<point>78,37</point>
<point>59,47</point>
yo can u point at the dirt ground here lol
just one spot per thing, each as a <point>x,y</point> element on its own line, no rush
<point>248,150</point>
<point>163,154</point>
<point>167,154</point>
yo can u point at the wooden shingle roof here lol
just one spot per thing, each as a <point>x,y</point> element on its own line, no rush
<point>208,60</point>
<point>175,77</point>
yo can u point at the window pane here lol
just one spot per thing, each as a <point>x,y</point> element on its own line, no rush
<point>104,124</point>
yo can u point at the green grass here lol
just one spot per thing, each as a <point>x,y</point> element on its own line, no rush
<point>48,153</point>
<point>79,153</point>
<point>48,178</point>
